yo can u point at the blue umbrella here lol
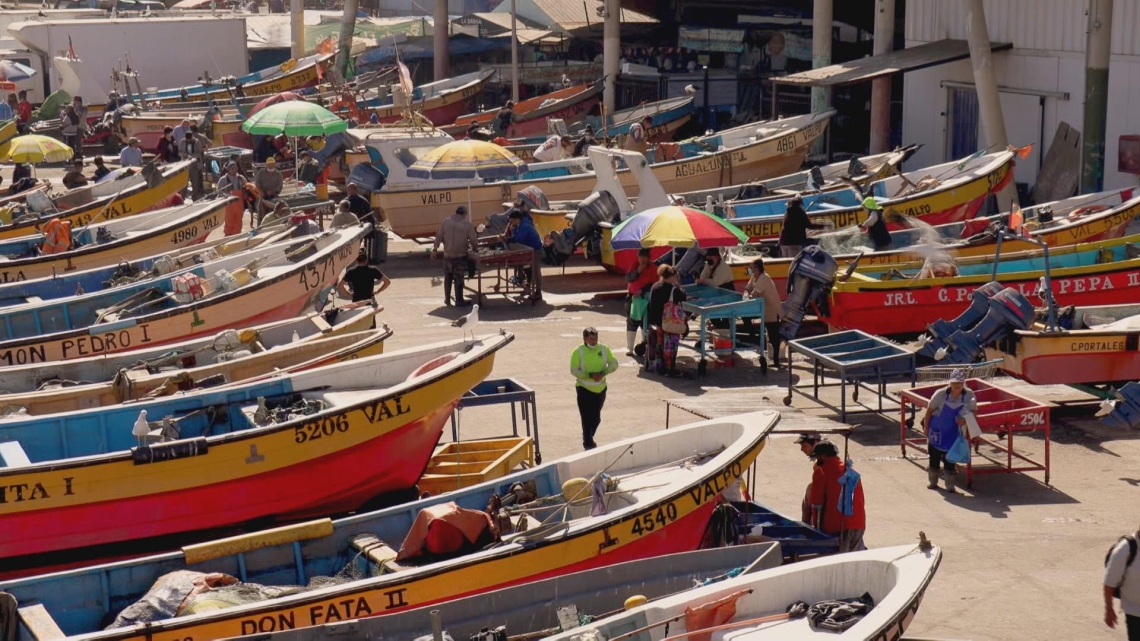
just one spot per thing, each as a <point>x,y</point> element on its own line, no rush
<point>14,72</point>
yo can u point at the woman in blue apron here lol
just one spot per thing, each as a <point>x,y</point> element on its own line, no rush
<point>944,418</point>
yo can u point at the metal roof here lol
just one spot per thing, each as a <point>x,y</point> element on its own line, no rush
<point>503,21</point>
<point>570,15</point>
<point>903,60</point>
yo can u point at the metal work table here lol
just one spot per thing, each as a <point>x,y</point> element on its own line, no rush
<point>497,392</point>
<point>706,304</point>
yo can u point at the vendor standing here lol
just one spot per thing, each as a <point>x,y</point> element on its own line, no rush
<point>760,285</point>
<point>944,419</point>
<point>640,278</point>
<point>794,231</point>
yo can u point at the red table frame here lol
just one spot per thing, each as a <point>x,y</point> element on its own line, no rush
<point>999,411</point>
<point>498,267</point>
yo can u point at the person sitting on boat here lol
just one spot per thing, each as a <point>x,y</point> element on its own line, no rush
<point>585,142</point>
<point>359,282</point>
<point>829,493</point>
<point>504,118</point>
<point>716,272</point>
<point>638,137</point>
<point>942,424</point>
<point>794,230</point>
<point>100,169</point>
<point>876,225</point>
<point>75,178</point>
<point>167,149</point>
<point>554,148</point>
<point>131,155</point>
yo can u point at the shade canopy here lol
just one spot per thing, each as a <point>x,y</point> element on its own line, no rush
<point>294,118</point>
<point>462,159</point>
<point>284,96</point>
<point>35,149</point>
<point>674,226</point>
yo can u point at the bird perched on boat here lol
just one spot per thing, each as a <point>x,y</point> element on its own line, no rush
<point>566,82</point>
<point>468,321</point>
<point>141,428</point>
<point>691,90</point>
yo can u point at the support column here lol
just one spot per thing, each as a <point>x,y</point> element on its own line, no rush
<point>611,52</point>
<point>297,24</point>
<point>881,87</point>
<point>1098,51</point>
<point>347,31</point>
<point>514,52</point>
<point>442,33</point>
<point>985,83</point>
<point>821,20</point>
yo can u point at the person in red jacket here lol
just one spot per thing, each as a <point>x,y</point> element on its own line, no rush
<point>826,490</point>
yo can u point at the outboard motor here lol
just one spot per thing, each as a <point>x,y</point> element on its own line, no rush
<point>940,330</point>
<point>1124,410</point>
<point>598,207</point>
<point>810,278</point>
<point>1008,311</point>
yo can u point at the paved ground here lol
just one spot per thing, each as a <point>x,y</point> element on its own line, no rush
<point>1021,560</point>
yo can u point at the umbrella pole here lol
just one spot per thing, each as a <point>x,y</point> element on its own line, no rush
<point>470,209</point>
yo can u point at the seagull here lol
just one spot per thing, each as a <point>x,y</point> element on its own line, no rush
<point>469,321</point>
<point>566,82</point>
<point>691,90</point>
<point>1107,406</point>
<point>141,428</point>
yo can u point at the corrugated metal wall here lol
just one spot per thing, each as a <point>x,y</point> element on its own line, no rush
<point>1050,25</point>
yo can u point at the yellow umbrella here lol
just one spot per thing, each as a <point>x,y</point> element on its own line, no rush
<point>35,149</point>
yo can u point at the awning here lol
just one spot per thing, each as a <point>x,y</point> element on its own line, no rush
<point>903,60</point>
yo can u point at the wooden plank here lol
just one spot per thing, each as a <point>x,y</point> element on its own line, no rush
<point>38,623</point>
<point>1060,172</point>
<point>257,540</point>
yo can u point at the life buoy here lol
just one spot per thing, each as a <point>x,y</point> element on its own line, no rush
<point>57,236</point>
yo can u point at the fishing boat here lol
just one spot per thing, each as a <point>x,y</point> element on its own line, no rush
<point>1094,345</point>
<point>754,607</point>
<point>110,243</point>
<point>148,126</point>
<point>232,357</point>
<point>415,208</point>
<point>1100,273</point>
<point>662,490</point>
<point>1085,218</point>
<point>440,102</point>
<point>290,75</point>
<point>292,446</point>
<point>534,609</point>
<point>530,115</point>
<point>279,282</point>
<point>127,195</point>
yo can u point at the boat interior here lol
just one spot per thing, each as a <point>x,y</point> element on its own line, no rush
<point>546,503</point>
<point>1100,318</point>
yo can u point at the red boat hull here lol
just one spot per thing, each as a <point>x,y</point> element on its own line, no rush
<point>443,114</point>
<point>569,113</point>
<point>1081,367</point>
<point>881,311</point>
<point>335,483</point>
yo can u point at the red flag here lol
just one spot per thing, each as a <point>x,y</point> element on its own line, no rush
<point>1023,152</point>
<point>326,46</point>
<point>71,49</point>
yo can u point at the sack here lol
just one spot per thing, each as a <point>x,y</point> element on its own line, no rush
<point>1132,545</point>
<point>637,306</point>
<point>673,319</point>
<point>959,452</point>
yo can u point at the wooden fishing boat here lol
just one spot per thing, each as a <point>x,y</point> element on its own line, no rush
<point>441,102</point>
<point>109,243</point>
<point>290,75</point>
<point>332,437</point>
<point>755,606</point>
<point>234,292</point>
<point>20,379</point>
<point>1095,345</point>
<point>236,358</point>
<point>1100,273</point>
<point>532,608</point>
<point>148,126</point>
<point>8,130</point>
<point>531,114</point>
<point>956,192</point>
<point>1100,216</point>
<point>667,485</point>
<point>152,188</point>
<point>415,208</point>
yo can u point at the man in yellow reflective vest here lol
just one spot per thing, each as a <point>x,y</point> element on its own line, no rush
<point>590,363</point>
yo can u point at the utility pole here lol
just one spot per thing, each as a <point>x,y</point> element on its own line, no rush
<point>821,21</point>
<point>985,83</point>
<point>881,87</point>
<point>297,22</point>
<point>514,52</point>
<point>442,34</point>
<point>611,52</point>
<point>347,31</point>
<point>1098,51</point>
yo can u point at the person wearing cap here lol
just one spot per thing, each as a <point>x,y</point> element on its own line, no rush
<point>131,155</point>
<point>638,137</point>
<point>233,183</point>
<point>942,424</point>
<point>760,285</point>
<point>75,177</point>
<point>590,363</point>
<point>554,148</point>
<point>716,272</point>
<point>585,142</point>
<point>269,180</point>
<point>876,225</point>
<point>794,230</point>
<point>640,279</point>
<point>459,240</point>
<point>522,234</point>
<point>827,492</point>
<point>807,443</point>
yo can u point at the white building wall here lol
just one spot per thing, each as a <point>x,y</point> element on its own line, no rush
<point>1049,40</point>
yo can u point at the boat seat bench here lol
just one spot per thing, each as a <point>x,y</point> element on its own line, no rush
<point>12,454</point>
<point>38,624</point>
<point>378,552</point>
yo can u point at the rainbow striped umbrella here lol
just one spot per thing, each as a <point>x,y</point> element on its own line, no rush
<point>674,226</point>
<point>467,159</point>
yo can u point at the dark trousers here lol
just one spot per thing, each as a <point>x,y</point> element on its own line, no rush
<point>453,271</point>
<point>75,141</point>
<point>590,409</point>
<point>1133,624</point>
<point>939,456</point>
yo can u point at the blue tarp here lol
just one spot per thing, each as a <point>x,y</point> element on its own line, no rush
<point>414,49</point>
